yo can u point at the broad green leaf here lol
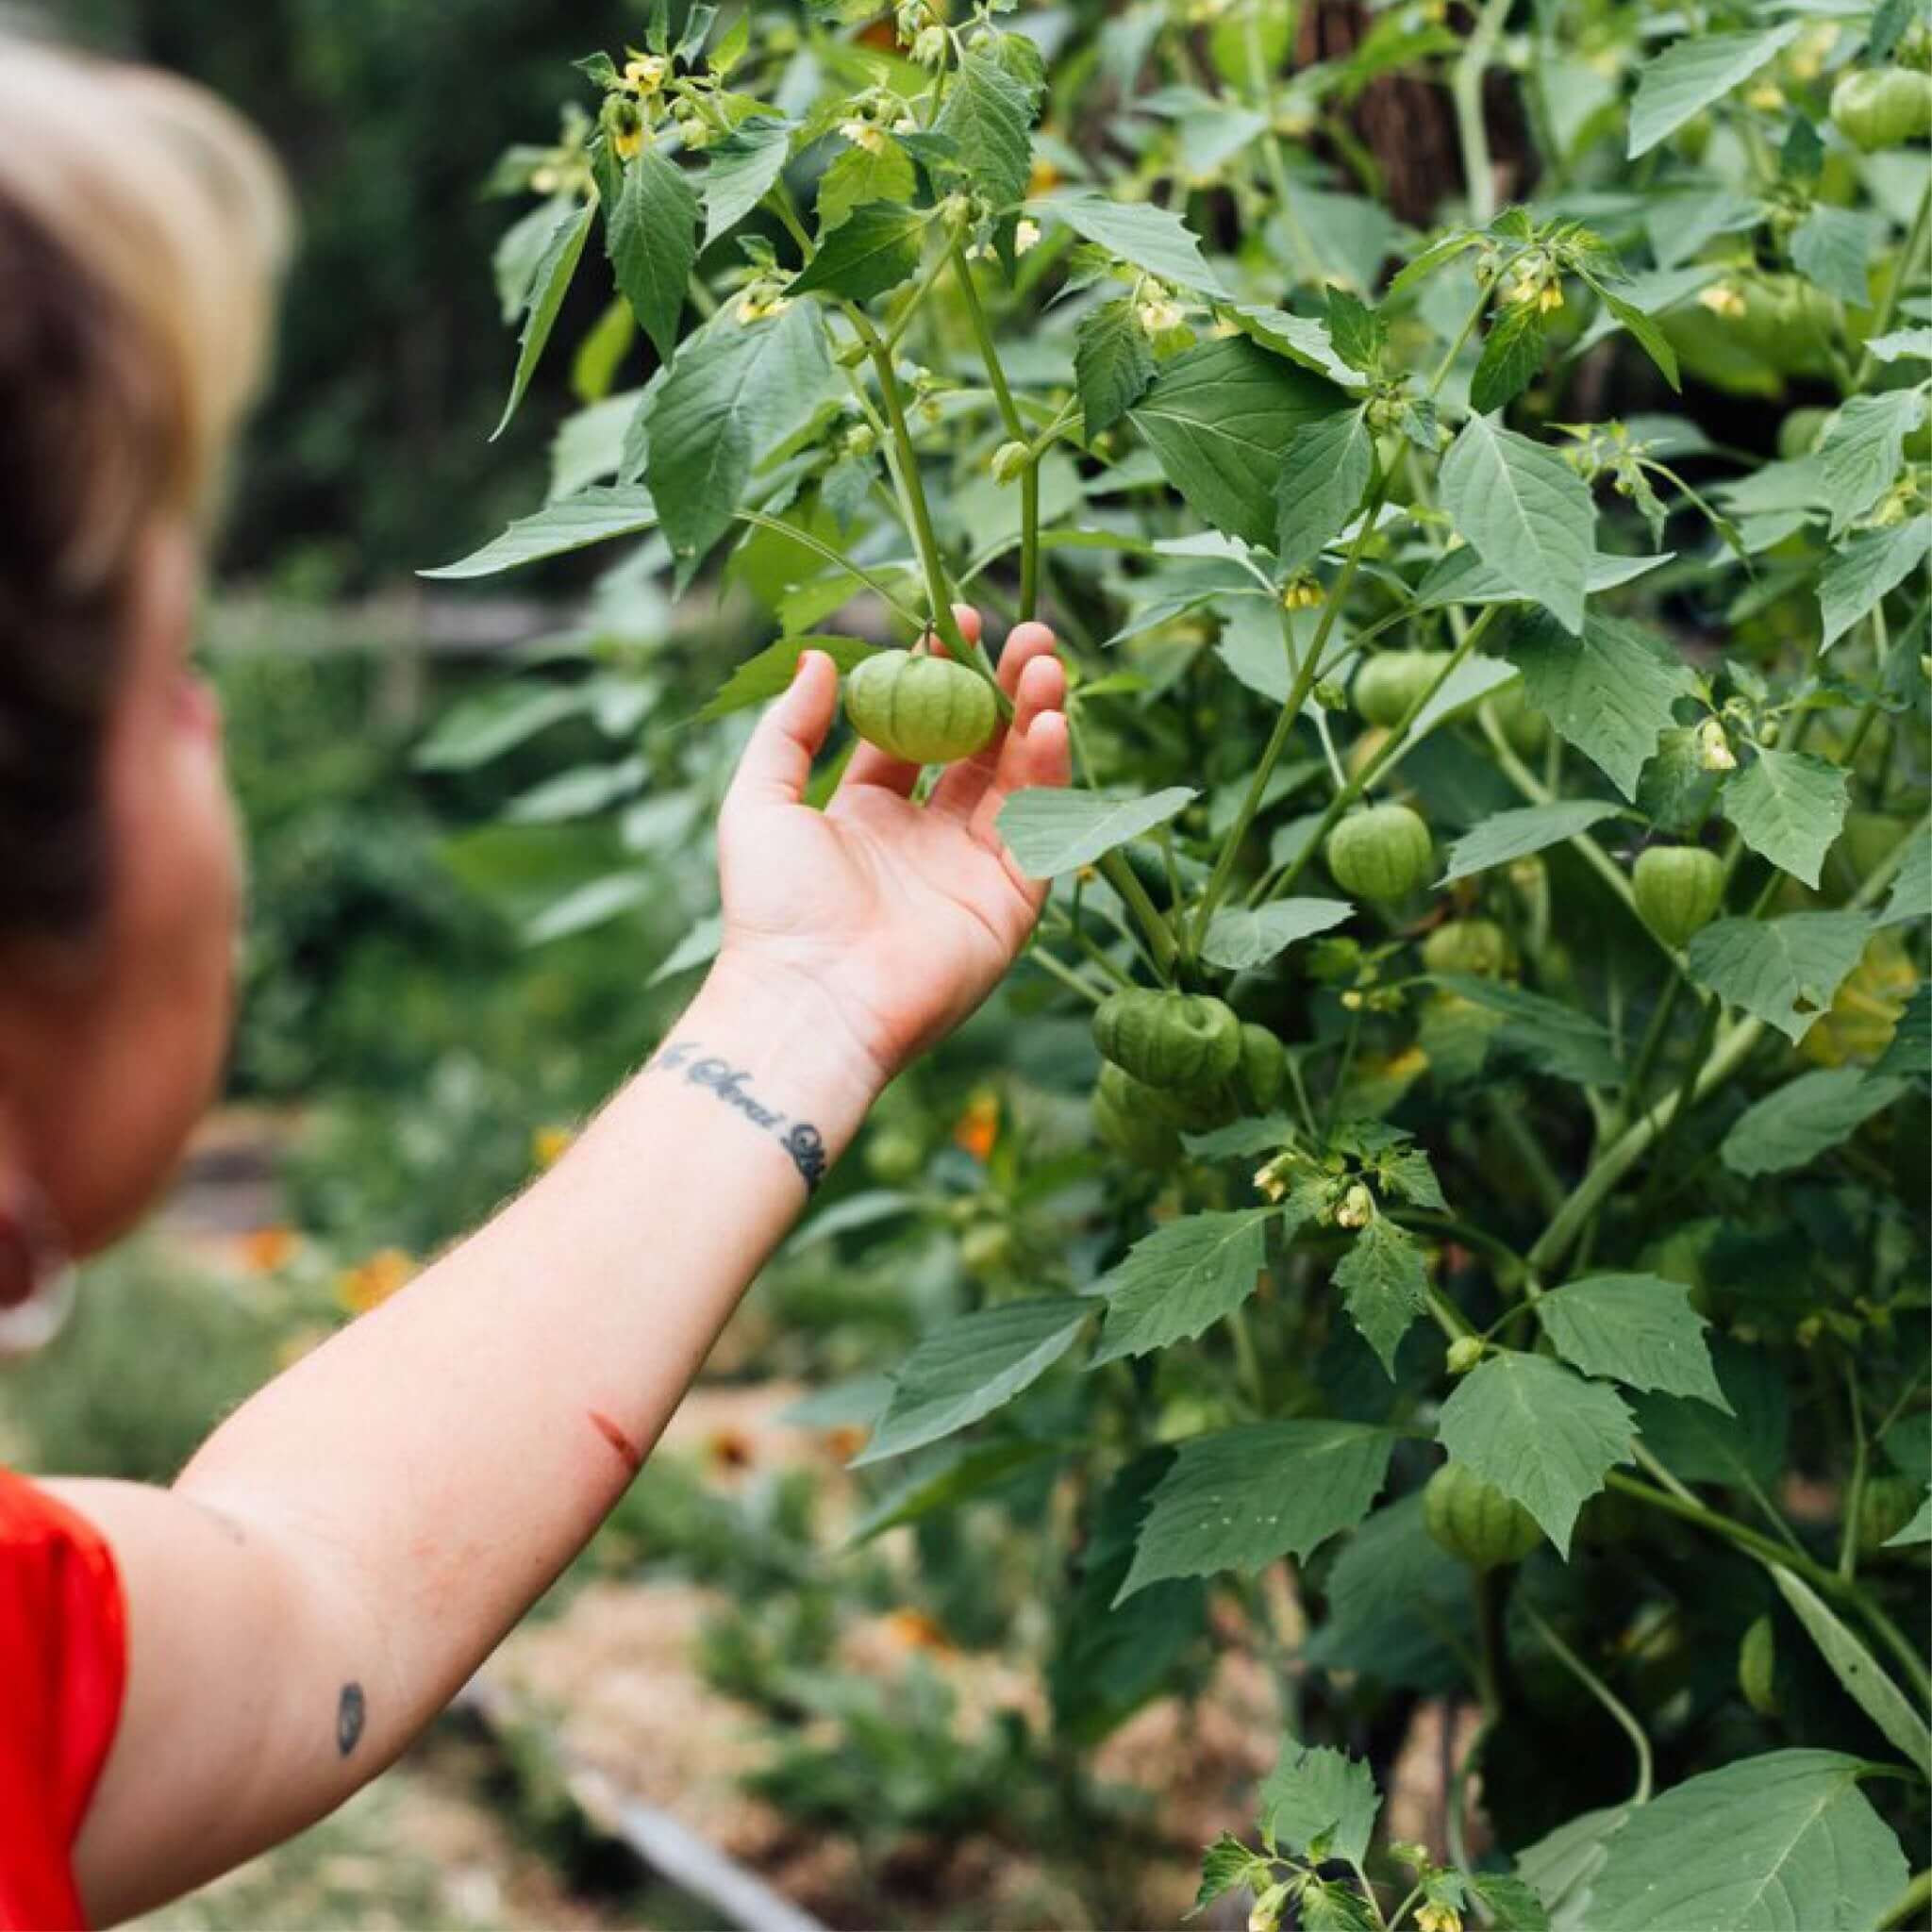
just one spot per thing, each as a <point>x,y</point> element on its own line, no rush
<point>1833,247</point>
<point>1150,238</point>
<point>1225,1865</point>
<point>1561,1868</point>
<point>968,1368</point>
<point>1784,1842</point>
<point>1557,1039</point>
<point>1686,78</point>
<point>1398,1604</point>
<point>858,177</point>
<point>1789,808</point>
<point>742,170</point>
<point>1801,1120</point>
<point>579,793</point>
<point>1472,680</point>
<point>1655,345</point>
<point>1324,475</point>
<point>1919,1530</point>
<point>1781,971</point>
<point>1538,1433</point>
<point>549,283</point>
<point>1609,693</point>
<point>736,393</point>
<point>1512,835</point>
<point>769,671</point>
<point>1220,417</point>
<point>1526,513</point>
<point>1858,575</point>
<point>1239,1498</point>
<point>875,248</point>
<point>1319,1797</point>
<point>1463,577</point>
<point>589,443</point>
<point>1514,1904</point>
<point>961,1474</point>
<point>1358,331</point>
<point>1300,337</point>
<point>479,728</point>
<point>1262,1133</point>
<point>515,262</point>
<point>1050,831</point>
<point>1240,939</point>
<point>1638,1329</point>
<point>1698,1443</point>
<point>1181,1279</point>
<point>593,904</point>
<point>1863,451</point>
<point>1911,887</point>
<point>986,115</point>
<point>1512,357</point>
<point>592,516</point>
<point>1869,1685</point>
<point>1902,345</point>
<point>1910,1056</point>
<point>1113,364</point>
<point>650,232</point>
<point>1385,1285</point>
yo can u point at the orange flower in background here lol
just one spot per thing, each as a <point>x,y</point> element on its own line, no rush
<point>979,1127</point>
<point>266,1250</point>
<point>548,1144</point>
<point>916,1630</point>
<point>731,1448</point>
<point>1044,176</point>
<point>371,1282</point>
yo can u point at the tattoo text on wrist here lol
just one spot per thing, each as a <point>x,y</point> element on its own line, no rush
<point>800,1139</point>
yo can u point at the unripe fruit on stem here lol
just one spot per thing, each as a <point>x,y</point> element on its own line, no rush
<point>1886,1505</point>
<point>922,710</point>
<point>1382,853</point>
<point>1477,946</point>
<point>1169,1038</point>
<point>1474,1521</point>
<point>1391,681</point>
<point>1464,1353</point>
<point>1882,109</point>
<point>1132,1129</point>
<point>1524,728</point>
<point>1678,890</point>
<point>1264,1066</point>
<point>1758,1667</point>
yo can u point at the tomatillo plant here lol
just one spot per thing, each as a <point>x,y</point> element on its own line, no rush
<point>1493,1262</point>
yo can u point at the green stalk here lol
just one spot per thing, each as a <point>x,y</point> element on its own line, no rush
<point>1160,940</point>
<point>1063,973</point>
<point>1391,750</point>
<point>1290,710</point>
<point>1912,1902</point>
<point>1472,133</point>
<point>1601,1691</point>
<point>1855,1490</point>
<point>1016,430</point>
<point>1448,362</point>
<point>1888,306</point>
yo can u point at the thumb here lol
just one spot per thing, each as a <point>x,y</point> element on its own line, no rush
<point>778,759</point>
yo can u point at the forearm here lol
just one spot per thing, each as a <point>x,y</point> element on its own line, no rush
<point>436,1464</point>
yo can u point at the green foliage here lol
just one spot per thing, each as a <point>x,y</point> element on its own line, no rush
<point>1612,507</point>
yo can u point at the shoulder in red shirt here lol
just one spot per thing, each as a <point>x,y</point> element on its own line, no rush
<point>63,1657</point>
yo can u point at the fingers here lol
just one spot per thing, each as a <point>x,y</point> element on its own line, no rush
<point>777,760</point>
<point>869,764</point>
<point>1039,755</point>
<point>1035,681</point>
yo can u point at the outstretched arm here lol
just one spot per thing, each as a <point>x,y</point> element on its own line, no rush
<point>346,1549</point>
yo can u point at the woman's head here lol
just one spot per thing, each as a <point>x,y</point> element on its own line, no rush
<point>141,228</point>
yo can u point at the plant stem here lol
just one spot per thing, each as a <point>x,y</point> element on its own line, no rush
<point>1528,1150</point>
<point>1601,1691</point>
<point>1471,132</point>
<point>1063,973</point>
<point>1467,328</point>
<point>1855,1491</point>
<point>1016,430</point>
<point>1160,940</point>
<point>1909,1902</point>
<point>1888,305</point>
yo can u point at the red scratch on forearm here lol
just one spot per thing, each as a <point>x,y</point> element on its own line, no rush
<point>632,1455</point>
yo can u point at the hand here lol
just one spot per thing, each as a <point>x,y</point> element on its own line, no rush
<point>895,918</point>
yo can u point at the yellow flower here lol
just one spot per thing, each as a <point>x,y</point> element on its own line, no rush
<point>863,134</point>
<point>1025,236</point>
<point>1044,176</point>
<point>1433,1918</point>
<point>371,1282</point>
<point>1713,747</point>
<point>646,71</point>
<point>1159,315</point>
<point>1551,298</point>
<point>628,142</point>
<point>1301,594</point>
<point>1767,98</point>
<point>1356,1207</point>
<point>1722,298</point>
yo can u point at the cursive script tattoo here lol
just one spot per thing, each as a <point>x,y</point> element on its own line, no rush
<point>718,1076</point>
<point>351,1708</point>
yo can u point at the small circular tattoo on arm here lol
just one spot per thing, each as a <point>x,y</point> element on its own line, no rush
<point>351,1708</point>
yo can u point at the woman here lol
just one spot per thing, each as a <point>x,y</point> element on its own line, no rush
<point>191,1674</point>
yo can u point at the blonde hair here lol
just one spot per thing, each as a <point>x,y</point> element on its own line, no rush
<point>143,228</point>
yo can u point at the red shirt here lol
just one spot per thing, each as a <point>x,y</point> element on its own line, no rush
<point>63,1658</point>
